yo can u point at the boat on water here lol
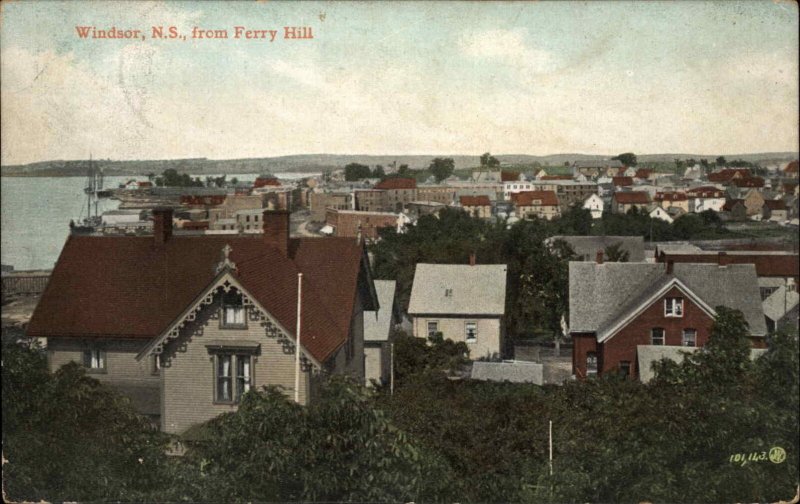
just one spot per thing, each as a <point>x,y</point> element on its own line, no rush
<point>92,221</point>
<point>94,182</point>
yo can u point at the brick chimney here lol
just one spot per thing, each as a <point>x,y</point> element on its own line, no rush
<point>472,259</point>
<point>670,266</point>
<point>276,229</point>
<point>162,225</point>
<point>599,257</point>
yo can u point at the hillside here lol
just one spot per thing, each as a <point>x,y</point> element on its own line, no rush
<point>319,162</point>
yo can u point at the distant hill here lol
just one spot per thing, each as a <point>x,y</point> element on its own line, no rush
<point>319,162</point>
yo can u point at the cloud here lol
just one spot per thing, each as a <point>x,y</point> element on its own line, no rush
<point>509,47</point>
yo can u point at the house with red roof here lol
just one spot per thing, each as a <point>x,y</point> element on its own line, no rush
<point>623,201</point>
<point>791,169</point>
<point>541,204</point>
<point>185,323</point>
<point>400,191</point>
<point>727,175</point>
<point>622,181</point>
<point>668,200</point>
<point>477,206</point>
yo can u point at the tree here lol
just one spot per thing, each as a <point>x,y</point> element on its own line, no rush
<point>441,168</point>
<point>615,253</point>
<point>489,161</point>
<point>403,170</point>
<point>378,172</point>
<point>356,171</point>
<point>67,437</point>
<point>626,158</point>
<point>721,161</point>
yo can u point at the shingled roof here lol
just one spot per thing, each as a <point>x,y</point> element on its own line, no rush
<point>459,289</point>
<point>602,295</point>
<point>129,287</point>
<point>632,198</point>
<point>475,201</point>
<point>397,183</point>
<point>535,198</point>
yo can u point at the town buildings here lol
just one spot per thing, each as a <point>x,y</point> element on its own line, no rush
<point>378,332</point>
<point>354,224</point>
<point>477,206</point>
<point>623,201</point>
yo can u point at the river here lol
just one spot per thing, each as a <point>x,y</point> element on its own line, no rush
<point>36,212</point>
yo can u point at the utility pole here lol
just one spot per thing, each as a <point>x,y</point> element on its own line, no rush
<point>391,371</point>
<point>297,340</point>
<point>550,437</point>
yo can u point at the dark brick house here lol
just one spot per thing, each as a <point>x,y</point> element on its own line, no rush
<point>617,308</point>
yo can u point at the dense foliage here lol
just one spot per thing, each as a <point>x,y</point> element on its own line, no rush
<point>171,178</point>
<point>67,437</point>
<point>435,439</point>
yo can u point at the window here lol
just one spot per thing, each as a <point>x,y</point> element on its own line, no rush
<point>433,328</point>
<point>657,336</point>
<point>767,292</point>
<point>625,368</point>
<point>95,360</point>
<point>591,364</point>
<point>229,386</point>
<point>233,311</point>
<point>156,366</point>
<point>673,307</point>
<point>690,337</point>
<point>471,332</point>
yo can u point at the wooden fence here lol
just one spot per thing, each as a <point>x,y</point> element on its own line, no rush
<point>25,282</point>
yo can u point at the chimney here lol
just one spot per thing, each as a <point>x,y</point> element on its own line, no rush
<point>472,259</point>
<point>162,225</point>
<point>670,266</point>
<point>276,229</point>
<point>599,257</point>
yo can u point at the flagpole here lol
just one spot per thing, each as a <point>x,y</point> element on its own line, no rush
<point>297,340</point>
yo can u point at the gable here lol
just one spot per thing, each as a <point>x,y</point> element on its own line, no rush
<point>672,288</point>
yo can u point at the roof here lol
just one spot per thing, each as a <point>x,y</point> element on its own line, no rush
<point>781,264</point>
<point>791,167</point>
<point>670,196</point>
<point>397,183</point>
<point>475,201</point>
<point>780,302</point>
<point>555,177</point>
<point>705,192</point>
<point>459,289</point>
<point>602,295</point>
<point>515,372</point>
<point>622,181</point>
<point>378,324</point>
<point>729,204</point>
<point>775,204</point>
<point>727,174</point>
<point>749,182</point>
<point>646,355</point>
<point>587,246</point>
<point>632,198</point>
<point>126,287</point>
<point>527,198</point>
<point>643,173</point>
<point>508,176</point>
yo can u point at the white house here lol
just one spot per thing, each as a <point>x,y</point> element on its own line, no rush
<point>377,334</point>
<point>594,204</point>
<point>463,302</point>
<point>659,213</point>
<point>705,198</point>
<point>514,186</point>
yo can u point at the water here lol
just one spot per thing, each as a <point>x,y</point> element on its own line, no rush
<point>36,212</point>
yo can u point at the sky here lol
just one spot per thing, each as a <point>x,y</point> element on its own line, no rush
<point>399,78</point>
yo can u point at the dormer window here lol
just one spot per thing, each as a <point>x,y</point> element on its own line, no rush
<point>233,311</point>
<point>448,293</point>
<point>673,307</point>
